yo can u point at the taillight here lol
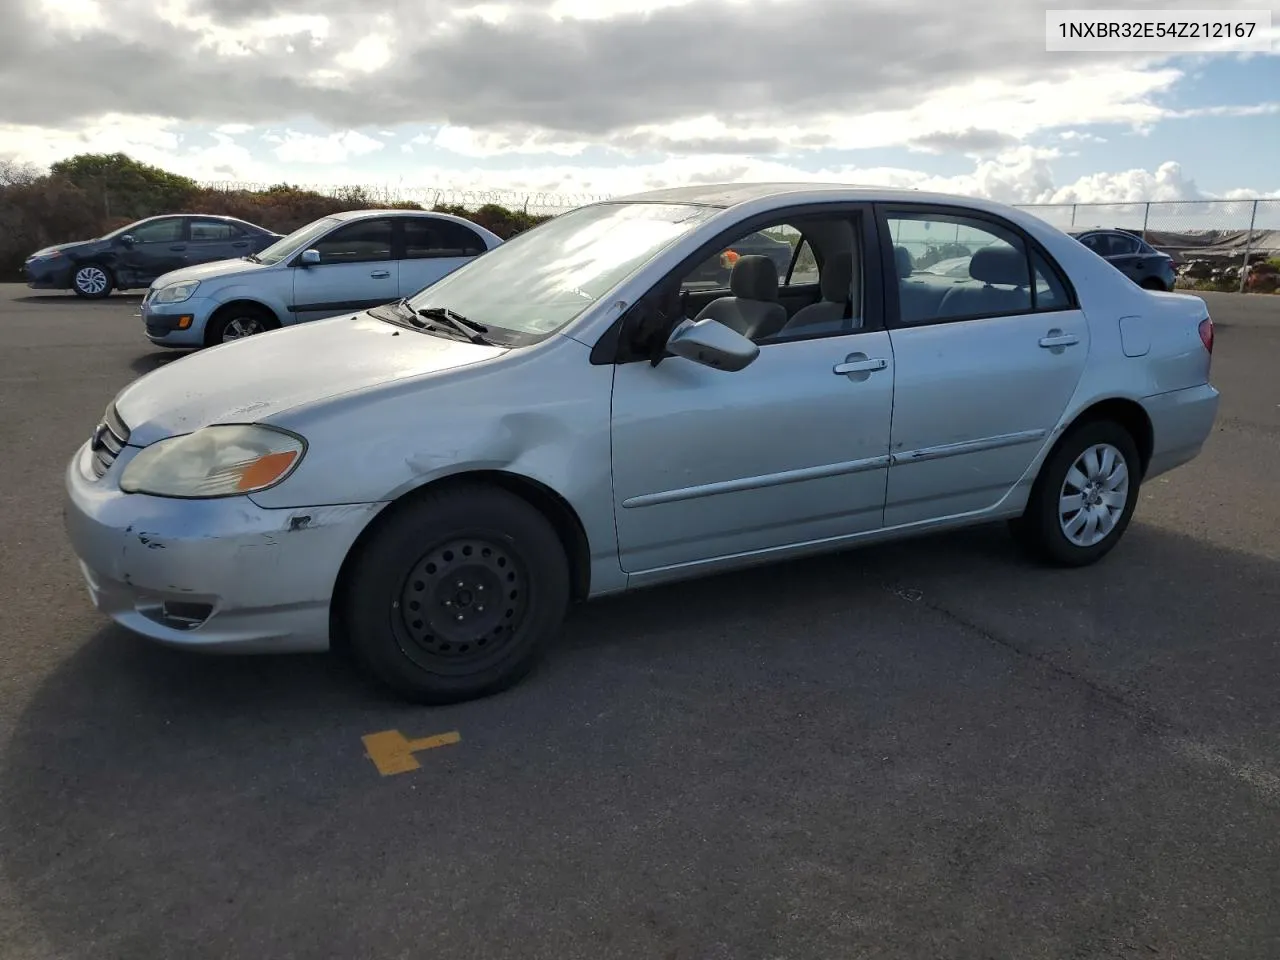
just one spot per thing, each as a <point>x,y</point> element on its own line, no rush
<point>1206,334</point>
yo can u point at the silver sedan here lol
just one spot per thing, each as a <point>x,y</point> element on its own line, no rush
<point>430,484</point>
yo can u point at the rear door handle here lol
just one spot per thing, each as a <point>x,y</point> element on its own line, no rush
<point>380,274</point>
<point>241,243</point>
<point>179,249</point>
<point>1057,338</point>
<point>852,365</point>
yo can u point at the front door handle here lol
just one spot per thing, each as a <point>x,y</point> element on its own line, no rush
<point>1057,338</point>
<point>858,363</point>
<point>380,274</point>
<point>241,243</point>
<point>178,249</point>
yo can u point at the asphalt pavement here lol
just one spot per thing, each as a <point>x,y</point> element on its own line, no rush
<point>930,749</point>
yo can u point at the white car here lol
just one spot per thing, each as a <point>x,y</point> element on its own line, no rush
<point>340,264</point>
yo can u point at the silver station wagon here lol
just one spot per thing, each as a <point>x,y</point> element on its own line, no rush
<point>430,484</point>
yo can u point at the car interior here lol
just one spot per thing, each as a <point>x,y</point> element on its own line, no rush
<point>763,305</point>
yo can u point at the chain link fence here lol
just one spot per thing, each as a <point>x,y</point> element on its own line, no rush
<point>1217,244</point>
<point>536,203</point>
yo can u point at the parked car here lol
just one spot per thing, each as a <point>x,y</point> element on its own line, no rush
<point>428,484</point>
<point>344,263</point>
<point>131,257</point>
<point>1134,257</point>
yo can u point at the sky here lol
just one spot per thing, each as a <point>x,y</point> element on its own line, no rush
<point>590,98</point>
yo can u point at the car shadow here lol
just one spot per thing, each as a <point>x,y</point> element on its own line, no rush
<point>154,361</point>
<point>140,782</point>
<point>69,297</point>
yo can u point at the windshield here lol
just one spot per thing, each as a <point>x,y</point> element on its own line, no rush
<point>300,239</point>
<point>540,280</point>
<point>121,231</point>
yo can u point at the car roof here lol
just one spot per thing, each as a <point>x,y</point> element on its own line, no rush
<point>389,211</point>
<point>727,195</point>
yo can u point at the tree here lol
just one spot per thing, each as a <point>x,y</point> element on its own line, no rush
<point>125,187</point>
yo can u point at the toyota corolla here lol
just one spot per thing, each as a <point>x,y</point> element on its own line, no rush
<point>430,484</point>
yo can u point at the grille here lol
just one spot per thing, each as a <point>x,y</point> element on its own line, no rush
<point>109,438</point>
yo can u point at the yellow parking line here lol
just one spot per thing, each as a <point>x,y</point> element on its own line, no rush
<point>392,752</point>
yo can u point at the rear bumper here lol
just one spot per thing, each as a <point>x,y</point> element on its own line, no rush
<point>1181,422</point>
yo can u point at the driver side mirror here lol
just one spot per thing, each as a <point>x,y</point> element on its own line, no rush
<point>712,344</point>
<point>128,240</point>
<point>309,258</point>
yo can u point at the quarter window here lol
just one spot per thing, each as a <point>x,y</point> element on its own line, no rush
<point>358,242</point>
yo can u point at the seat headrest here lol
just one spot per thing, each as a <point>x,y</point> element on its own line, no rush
<point>1002,264</point>
<point>837,276</point>
<point>754,278</point>
<point>904,261</point>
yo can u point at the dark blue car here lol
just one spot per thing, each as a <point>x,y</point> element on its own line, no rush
<point>1131,255</point>
<point>133,256</point>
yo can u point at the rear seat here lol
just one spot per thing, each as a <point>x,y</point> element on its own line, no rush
<point>923,300</point>
<point>991,265</point>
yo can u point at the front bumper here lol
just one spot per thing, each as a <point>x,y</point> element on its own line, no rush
<point>48,274</point>
<point>220,575</point>
<point>177,324</point>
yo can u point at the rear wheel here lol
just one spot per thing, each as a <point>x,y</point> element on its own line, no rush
<point>1153,283</point>
<point>456,595</point>
<point>92,281</point>
<point>1084,498</point>
<point>238,322</point>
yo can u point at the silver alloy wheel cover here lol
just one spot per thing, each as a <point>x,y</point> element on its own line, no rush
<point>91,279</point>
<point>240,327</point>
<point>1093,495</point>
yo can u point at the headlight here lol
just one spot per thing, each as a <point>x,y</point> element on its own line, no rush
<point>176,292</point>
<point>218,461</point>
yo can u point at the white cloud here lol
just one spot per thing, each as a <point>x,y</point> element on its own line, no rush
<point>235,129</point>
<point>296,147</point>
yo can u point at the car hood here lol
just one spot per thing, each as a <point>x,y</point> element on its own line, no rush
<point>260,377</point>
<point>64,248</point>
<point>214,270</point>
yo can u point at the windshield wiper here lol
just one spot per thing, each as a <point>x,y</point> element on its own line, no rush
<point>456,321</point>
<point>251,257</point>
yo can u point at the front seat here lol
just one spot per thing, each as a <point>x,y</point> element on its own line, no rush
<point>836,283</point>
<point>752,309</point>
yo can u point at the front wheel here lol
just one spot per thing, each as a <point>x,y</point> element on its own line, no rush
<point>1085,496</point>
<point>455,595</point>
<point>92,281</point>
<point>236,323</point>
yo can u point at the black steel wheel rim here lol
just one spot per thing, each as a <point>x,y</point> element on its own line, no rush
<point>462,604</point>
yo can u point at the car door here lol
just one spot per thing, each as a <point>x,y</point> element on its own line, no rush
<point>356,271</point>
<point>1125,254</point>
<point>213,240</point>
<point>432,248</point>
<point>984,374</point>
<point>791,450</point>
<point>154,248</point>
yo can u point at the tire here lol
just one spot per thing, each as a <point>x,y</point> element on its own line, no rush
<point>92,281</point>
<point>1152,283</point>
<point>236,323</point>
<point>431,563</point>
<point>1042,530</point>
